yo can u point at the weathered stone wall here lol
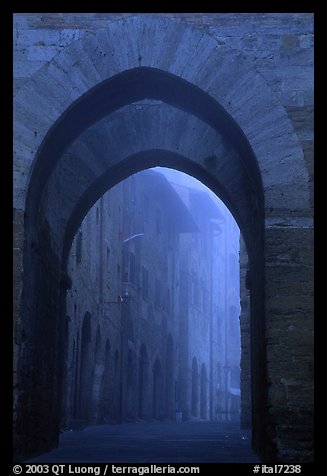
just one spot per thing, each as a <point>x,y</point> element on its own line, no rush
<point>280,44</point>
<point>289,258</point>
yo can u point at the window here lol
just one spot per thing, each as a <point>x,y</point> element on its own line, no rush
<point>145,283</point>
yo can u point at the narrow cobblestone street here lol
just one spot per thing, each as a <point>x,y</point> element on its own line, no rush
<point>187,442</point>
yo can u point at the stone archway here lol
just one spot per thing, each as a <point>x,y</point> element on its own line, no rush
<point>237,140</point>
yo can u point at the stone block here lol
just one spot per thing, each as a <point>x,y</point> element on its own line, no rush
<point>302,120</point>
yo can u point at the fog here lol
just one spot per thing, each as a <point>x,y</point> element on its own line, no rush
<point>154,330</point>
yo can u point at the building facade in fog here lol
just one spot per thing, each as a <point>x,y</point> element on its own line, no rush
<point>152,326</point>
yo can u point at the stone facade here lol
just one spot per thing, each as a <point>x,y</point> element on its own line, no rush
<point>148,317</point>
<point>227,98</point>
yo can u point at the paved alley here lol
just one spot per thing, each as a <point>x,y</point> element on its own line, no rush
<point>154,442</point>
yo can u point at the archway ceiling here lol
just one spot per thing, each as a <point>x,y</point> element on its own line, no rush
<point>87,168</point>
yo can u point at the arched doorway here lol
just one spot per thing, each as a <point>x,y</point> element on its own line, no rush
<point>117,172</point>
<point>137,161</point>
